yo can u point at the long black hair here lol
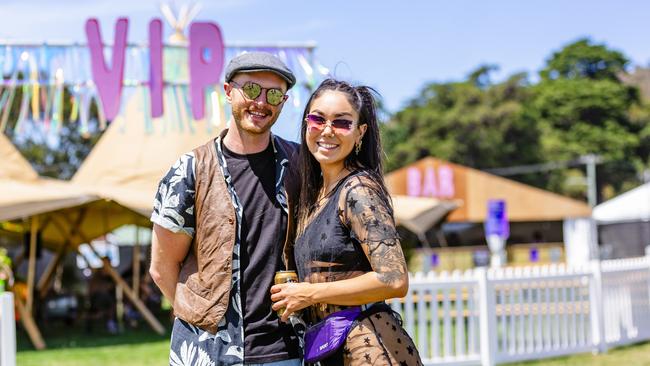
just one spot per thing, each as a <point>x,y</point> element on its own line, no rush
<point>369,159</point>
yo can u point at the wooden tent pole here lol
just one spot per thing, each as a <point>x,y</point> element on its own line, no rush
<point>136,262</point>
<point>29,323</point>
<point>153,322</point>
<point>142,308</point>
<point>44,282</point>
<point>20,258</point>
<point>46,278</point>
<point>31,271</point>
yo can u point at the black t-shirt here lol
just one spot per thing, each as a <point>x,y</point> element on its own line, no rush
<point>263,230</point>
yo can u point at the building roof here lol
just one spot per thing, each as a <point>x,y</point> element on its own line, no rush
<point>633,205</point>
<point>431,177</point>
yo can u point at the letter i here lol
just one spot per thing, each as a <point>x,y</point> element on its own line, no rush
<point>156,67</point>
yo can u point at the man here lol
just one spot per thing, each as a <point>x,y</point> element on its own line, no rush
<point>220,219</point>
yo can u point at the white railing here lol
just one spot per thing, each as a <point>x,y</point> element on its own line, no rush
<point>7,330</point>
<point>485,317</point>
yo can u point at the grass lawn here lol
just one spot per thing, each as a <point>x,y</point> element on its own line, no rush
<point>72,346</point>
<point>635,355</point>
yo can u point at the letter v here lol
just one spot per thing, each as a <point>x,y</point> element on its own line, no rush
<point>108,80</point>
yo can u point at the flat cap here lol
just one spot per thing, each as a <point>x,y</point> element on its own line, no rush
<point>259,61</point>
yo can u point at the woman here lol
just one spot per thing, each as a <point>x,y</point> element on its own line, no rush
<point>347,251</point>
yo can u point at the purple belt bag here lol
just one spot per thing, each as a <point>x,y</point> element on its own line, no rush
<point>327,336</point>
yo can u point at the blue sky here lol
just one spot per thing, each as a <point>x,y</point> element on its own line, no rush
<point>395,46</point>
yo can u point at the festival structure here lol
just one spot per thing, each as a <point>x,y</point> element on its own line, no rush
<point>534,215</point>
<point>155,102</point>
<point>624,223</point>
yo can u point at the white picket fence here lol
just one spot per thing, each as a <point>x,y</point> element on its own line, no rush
<point>7,330</point>
<point>485,317</point>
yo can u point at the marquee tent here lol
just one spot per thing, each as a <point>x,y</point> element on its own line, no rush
<point>128,161</point>
<point>624,223</point>
<point>633,205</point>
<point>70,214</point>
<point>419,214</point>
<point>60,215</point>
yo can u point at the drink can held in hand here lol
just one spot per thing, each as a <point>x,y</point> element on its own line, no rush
<point>284,277</point>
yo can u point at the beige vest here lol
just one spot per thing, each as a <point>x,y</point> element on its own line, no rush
<point>203,288</point>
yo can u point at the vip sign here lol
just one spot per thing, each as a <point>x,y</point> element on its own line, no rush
<point>437,183</point>
<point>206,61</point>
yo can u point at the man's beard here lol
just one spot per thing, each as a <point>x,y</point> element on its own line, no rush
<point>239,115</point>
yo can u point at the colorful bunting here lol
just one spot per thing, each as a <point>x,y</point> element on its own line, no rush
<point>47,73</point>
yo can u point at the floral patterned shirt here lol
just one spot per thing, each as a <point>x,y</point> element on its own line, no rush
<point>174,210</point>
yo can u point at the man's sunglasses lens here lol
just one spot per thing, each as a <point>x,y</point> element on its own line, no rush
<point>274,96</point>
<point>253,91</point>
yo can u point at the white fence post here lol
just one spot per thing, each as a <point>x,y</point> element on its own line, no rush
<point>487,314</point>
<point>7,330</point>
<point>596,305</point>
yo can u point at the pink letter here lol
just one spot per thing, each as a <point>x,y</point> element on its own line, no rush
<point>204,38</point>
<point>156,67</point>
<point>446,176</point>
<point>430,188</point>
<point>413,182</point>
<point>108,80</point>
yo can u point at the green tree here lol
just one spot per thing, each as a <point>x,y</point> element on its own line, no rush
<point>581,107</point>
<point>583,59</point>
<point>473,122</point>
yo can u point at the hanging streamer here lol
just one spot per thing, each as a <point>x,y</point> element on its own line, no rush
<point>74,110</point>
<point>7,109</point>
<point>309,71</point>
<point>3,104</point>
<point>165,120</point>
<point>35,95</point>
<point>100,111</point>
<point>46,97</point>
<point>42,97</point>
<point>215,109</point>
<point>49,99</point>
<point>180,106</point>
<point>146,112</point>
<point>175,106</point>
<point>222,108</point>
<point>84,111</point>
<point>57,101</point>
<point>24,107</point>
<point>57,108</point>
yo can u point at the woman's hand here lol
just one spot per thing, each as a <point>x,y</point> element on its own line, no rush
<point>292,297</point>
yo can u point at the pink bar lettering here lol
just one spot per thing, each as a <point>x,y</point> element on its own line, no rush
<point>430,186</point>
<point>446,176</point>
<point>413,182</point>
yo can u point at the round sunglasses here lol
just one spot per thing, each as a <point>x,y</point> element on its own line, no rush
<point>252,91</point>
<point>318,123</point>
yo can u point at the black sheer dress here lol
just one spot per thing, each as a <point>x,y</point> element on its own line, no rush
<point>349,231</point>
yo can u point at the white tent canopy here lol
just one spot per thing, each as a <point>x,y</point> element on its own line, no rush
<point>420,214</point>
<point>128,161</point>
<point>633,205</point>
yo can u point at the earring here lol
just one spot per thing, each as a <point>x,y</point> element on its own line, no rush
<point>358,147</point>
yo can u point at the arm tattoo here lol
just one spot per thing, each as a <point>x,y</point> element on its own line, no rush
<point>387,259</point>
<point>370,220</point>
